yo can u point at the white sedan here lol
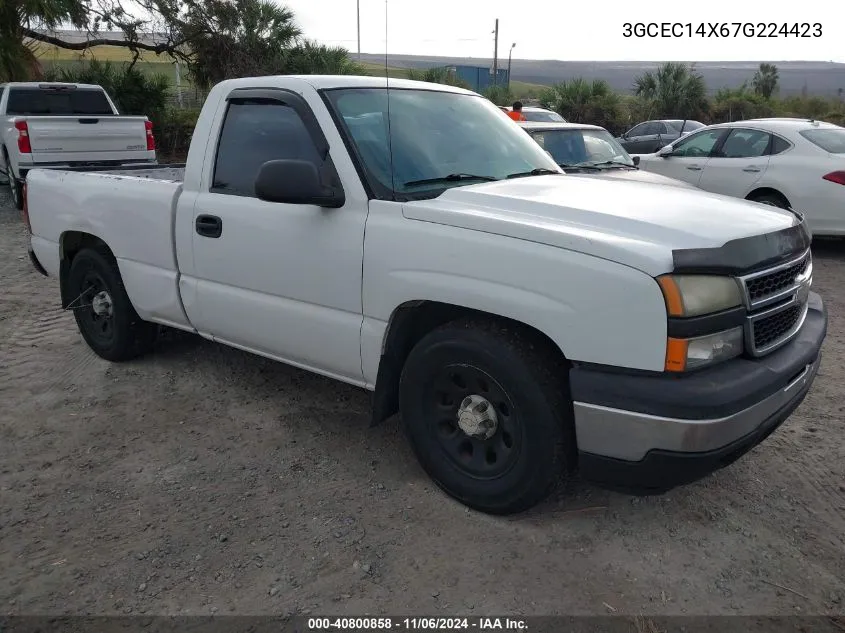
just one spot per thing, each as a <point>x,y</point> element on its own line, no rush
<point>788,163</point>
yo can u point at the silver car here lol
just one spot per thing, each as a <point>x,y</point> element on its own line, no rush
<point>591,150</point>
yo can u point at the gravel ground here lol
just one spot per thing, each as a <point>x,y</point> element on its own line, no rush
<point>203,480</point>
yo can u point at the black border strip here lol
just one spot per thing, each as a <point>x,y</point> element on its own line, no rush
<point>747,254</point>
<point>692,327</point>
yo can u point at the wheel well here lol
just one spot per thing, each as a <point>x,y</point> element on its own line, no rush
<point>767,191</point>
<point>70,244</point>
<point>409,323</point>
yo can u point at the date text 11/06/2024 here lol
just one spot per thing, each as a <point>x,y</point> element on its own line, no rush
<point>416,624</point>
<point>722,29</point>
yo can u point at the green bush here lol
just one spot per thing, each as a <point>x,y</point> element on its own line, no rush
<point>500,95</point>
<point>173,132</point>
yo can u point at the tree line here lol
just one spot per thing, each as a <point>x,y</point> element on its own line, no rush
<point>676,91</point>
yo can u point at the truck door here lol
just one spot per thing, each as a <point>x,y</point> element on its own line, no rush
<point>283,280</point>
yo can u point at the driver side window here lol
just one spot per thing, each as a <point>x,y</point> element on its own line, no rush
<point>697,145</point>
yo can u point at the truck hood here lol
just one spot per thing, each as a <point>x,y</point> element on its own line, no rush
<point>636,175</point>
<point>638,224</point>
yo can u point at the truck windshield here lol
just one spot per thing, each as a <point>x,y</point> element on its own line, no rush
<point>58,102</point>
<point>438,140</point>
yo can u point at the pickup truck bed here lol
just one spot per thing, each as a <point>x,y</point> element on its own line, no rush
<point>143,228</point>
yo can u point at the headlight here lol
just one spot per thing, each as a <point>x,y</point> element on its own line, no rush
<point>684,354</point>
<point>695,295</point>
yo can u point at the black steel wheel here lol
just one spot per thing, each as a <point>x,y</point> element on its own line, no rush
<point>477,425</point>
<point>485,406</point>
<point>104,314</point>
<point>96,311</point>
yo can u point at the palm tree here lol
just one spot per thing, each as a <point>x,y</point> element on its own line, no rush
<point>243,38</point>
<point>583,101</point>
<point>765,80</point>
<point>675,91</point>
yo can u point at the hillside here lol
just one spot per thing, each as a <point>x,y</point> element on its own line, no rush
<point>820,78</point>
<point>528,76</point>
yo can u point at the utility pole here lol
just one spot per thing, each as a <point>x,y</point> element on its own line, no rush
<point>359,28</point>
<point>496,53</point>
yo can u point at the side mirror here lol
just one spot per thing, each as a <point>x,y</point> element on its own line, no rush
<point>636,160</point>
<point>295,182</point>
<point>665,151</point>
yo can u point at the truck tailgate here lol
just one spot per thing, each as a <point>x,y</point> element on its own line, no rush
<point>87,138</point>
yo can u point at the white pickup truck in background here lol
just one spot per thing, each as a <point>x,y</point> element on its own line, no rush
<point>414,242</point>
<point>61,125</point>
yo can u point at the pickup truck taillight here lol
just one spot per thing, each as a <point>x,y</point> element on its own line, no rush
<point>836,176</point>
<point>24,146</point>
<point>151,140</point>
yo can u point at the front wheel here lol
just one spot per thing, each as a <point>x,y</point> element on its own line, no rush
<point>486,409</point>
<point>104,314</point>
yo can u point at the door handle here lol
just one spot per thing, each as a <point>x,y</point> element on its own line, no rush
<point>751,168</point>
<point>209,226</point>
<point>694,168</point>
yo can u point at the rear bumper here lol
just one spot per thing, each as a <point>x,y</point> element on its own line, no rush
<point>648,434</point>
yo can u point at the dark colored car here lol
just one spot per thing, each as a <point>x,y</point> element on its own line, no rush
<point>650,136</point>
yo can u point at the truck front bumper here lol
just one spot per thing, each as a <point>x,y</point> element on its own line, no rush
<point>646,434</point>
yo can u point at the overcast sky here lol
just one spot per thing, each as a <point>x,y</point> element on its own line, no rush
<point>560,29</point>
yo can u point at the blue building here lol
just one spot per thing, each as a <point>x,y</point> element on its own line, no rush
<point>479,77</point>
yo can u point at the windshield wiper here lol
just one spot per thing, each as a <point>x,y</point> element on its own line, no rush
<point>448,178</point>
<point>539,171</point>
<point>577,166</point>
<point>610,163</point>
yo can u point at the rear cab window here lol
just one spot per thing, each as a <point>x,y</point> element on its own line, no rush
<point>31,101</point>
<point>830,140</point>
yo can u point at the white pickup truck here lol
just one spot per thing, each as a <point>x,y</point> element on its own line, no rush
<point>61,125</point>
<point>414,242</point>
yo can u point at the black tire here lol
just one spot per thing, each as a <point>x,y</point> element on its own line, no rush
<point>525,379</point>
<point>120,335</point>
<point>772,199</point>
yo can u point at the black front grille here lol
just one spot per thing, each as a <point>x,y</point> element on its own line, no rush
<point>773,328</point>
<point>767,285</point>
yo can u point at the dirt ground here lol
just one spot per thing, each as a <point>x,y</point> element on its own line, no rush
<point>203,480</point>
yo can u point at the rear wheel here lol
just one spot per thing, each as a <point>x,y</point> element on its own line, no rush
<point>772,199</point>
<point>103,311</point>
<point>486,409</point>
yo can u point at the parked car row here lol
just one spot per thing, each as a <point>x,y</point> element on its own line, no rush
<point>415,243</point>
<point>783,162</point>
